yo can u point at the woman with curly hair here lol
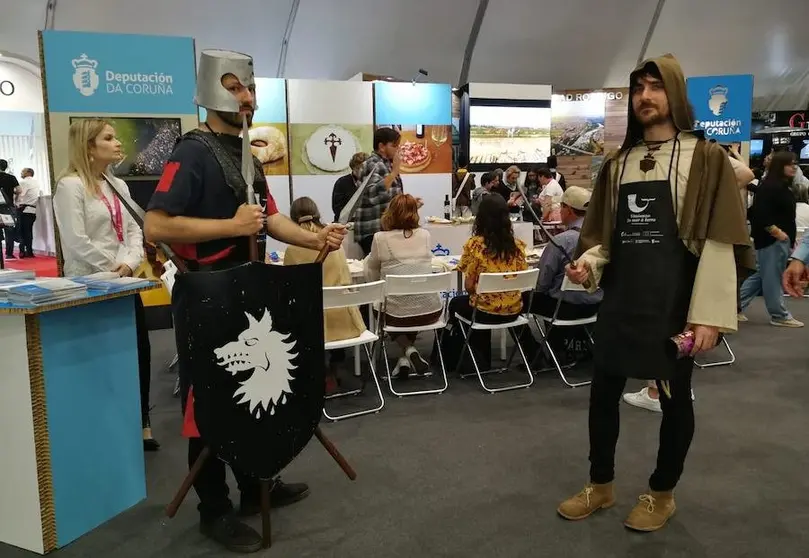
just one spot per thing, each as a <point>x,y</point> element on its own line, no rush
<point>492,249</point>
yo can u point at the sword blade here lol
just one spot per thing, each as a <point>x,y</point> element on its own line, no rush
<point>460,188</point>
<point>565,255</point>
<point>248,168</point>
<point>348,211</point>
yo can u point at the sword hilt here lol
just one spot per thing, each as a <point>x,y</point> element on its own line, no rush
<point>324,252</point>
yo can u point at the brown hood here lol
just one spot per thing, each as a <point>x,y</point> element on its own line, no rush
<point>674,82</point>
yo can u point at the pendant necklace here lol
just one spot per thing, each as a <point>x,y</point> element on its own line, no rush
<point>648,161</point>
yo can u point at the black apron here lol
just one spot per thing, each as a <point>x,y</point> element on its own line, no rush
<point>647,283</point>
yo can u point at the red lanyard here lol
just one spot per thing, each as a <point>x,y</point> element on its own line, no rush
<point>115,216</point>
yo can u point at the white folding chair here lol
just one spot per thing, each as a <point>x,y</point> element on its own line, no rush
<point>401,285</point>
<point>731,357</point>
<point>554,321</point>
<point>356,295</point>
<point>490,283</point>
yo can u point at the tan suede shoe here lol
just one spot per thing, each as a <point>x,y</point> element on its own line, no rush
<point>652,512</point>
<point>594,497</point>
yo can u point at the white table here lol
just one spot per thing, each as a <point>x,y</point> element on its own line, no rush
<point>450,239</point>
<point>446,239</point>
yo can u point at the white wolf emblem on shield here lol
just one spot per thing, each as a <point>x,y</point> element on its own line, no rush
<point>268,354</point>
<point>85,77</point>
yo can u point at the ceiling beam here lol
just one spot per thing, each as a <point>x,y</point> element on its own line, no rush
<point>282,56</point>
<point>649,32</point>
<point>463,79</point>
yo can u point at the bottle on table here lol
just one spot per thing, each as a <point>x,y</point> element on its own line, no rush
<point>447,214</point>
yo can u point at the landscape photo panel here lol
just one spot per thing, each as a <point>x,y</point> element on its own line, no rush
<point>509,134</point>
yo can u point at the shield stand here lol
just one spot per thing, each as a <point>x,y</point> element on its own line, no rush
<point>266,526</point>
<point>188,482</point>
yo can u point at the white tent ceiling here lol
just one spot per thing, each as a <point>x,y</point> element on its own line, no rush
<point>570,44</point>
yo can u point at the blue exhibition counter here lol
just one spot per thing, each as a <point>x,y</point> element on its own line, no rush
<point>70,414</point>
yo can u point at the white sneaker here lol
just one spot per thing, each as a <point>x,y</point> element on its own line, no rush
<point>402,369</point>
<point>641,399</point>
<point>740,317</point>
<point>786,322</point>
<point>421,366</point>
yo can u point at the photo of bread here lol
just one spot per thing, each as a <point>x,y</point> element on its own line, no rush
<point>268,142</point>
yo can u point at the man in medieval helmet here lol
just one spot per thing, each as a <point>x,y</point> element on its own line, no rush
<point>202,209</point>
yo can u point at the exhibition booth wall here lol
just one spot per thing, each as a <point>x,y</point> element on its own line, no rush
<point>144,85</point>
<point>305,132</point>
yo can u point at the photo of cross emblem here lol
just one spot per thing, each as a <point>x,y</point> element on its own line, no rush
<point>333,140</point>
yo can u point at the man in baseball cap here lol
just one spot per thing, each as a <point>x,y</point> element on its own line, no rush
<point>576,304</point>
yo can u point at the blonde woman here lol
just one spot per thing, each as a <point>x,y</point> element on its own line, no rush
<point>97,233</point>
<point>338,323</point>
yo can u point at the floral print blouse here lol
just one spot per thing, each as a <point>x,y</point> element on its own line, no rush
<point>475,261</point>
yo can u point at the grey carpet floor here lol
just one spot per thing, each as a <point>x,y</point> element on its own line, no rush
<point>467,474</point>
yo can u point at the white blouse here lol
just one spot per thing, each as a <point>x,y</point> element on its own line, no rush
<point>88,238</point>
<point>394,254</point>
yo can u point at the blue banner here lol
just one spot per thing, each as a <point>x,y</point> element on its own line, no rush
<point>723,106</point>
<point>408,104</point>
<point>119,74</point>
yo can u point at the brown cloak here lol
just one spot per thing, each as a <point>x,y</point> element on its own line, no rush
<point>712,208</point>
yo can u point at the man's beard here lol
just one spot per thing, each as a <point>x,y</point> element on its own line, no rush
<point>653,120</point>
<point>236,119</point>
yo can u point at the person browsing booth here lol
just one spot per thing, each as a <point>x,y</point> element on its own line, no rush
<point>576,304</point>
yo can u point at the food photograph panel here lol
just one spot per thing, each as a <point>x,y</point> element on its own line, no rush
<point>327,148</point>
<point>424,149</point>
<point>268,142</point>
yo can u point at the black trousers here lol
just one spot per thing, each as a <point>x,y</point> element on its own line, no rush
<point>480,341</point>
<point>545,305</point>
<point>212,487</point>
<point>676,428</point>
<point>211,483</point>
<point>365,244</point>
<point>11,234</point>
<point>27,233</point>
<point>144,358</point>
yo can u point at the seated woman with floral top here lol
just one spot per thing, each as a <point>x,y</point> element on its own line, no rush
<point>492,249</point>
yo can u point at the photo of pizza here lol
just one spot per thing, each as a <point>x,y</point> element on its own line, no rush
<point>415,156</point>
<point>424,149</point>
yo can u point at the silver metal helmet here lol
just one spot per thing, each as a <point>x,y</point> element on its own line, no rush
<point>213,64</point>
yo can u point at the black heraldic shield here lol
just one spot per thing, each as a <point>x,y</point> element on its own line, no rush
<point>251,338</point>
